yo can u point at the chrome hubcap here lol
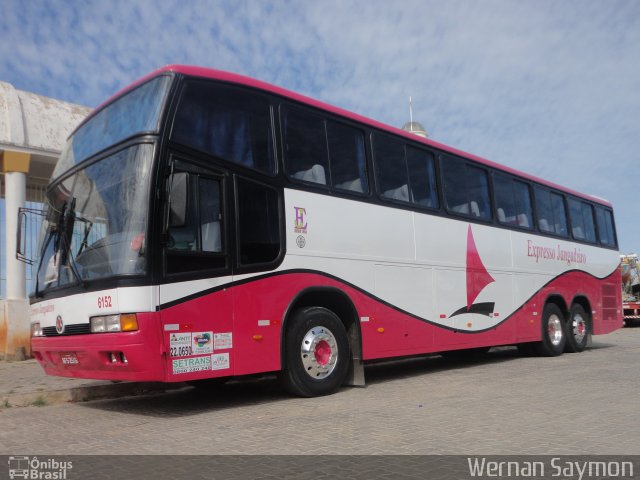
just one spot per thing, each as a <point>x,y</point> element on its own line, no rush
<point>319,352</point>
<point>554,330</point>
<point>579,327</point>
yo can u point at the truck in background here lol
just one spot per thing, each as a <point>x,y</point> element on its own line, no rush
<point>630,288</point>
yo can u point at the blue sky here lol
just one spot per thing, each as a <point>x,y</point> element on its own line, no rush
<point>548,87</point>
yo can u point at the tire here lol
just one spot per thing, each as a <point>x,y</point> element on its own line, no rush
<point>578,330</point>
<point>553,332</point>
<point>317,353</point>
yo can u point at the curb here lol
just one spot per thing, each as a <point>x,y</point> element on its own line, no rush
<point>86,393</point>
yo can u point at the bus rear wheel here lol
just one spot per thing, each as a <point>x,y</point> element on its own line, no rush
<point>317,353</point>
<point>553,332</point>
<point>578,330</point>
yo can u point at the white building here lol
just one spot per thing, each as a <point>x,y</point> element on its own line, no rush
<point>33,130</point>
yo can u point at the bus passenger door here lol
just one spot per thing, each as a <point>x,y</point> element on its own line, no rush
<point>196,305</point>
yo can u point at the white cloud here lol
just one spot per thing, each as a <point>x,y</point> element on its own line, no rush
<point>549,87</point>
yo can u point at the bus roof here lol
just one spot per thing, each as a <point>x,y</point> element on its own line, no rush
<point>258,84</point>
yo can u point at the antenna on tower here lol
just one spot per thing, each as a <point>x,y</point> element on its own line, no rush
<point>411,126</point>
<point>410,110</point>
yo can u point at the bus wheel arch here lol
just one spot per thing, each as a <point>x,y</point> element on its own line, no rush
<point>578,325</point>
<point>325,304</point>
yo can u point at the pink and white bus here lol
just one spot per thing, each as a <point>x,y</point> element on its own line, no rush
<point>203,225</point>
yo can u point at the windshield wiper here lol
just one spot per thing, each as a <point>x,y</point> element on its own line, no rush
<point>88,224</point>
<point>68,258</point>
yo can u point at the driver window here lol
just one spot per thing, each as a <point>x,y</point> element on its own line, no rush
<point>196,241</point>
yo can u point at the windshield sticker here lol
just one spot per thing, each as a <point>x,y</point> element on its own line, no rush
<point>222,341</point>
<point>202,342</point>
<point>180,344</point>
<point>220,361</point>
<point>188,365</point>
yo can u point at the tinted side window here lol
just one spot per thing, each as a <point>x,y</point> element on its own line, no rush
<point>231,124</point>
<point>422,177</point>
<point>305,146</point>
<point>605,227</point>
<point>466,188</point>
<point>391,168</point>
<point>582,225</point>
<point>551,213</point>
<point>513,201</point>
<point>347,158</point>
<point>198,243</point>
<point>258,222</point>
<point>559,214</point>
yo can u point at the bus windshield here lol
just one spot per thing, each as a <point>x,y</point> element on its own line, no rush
<point>96,221</point>
<point>137,111</point>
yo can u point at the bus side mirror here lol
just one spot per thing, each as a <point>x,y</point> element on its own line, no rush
<point>21,240</point>
<point>28,220</point>
<point>178,200</point>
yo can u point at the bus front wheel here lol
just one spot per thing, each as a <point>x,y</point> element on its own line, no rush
<point>316,353</point>
<point>553,332</point>
<point>578,330</point>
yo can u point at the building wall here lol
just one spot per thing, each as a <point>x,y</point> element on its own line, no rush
<point>33,131</point>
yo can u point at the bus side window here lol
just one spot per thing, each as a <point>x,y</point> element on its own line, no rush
<point>559,214</point>
<point>422,177</point>
<point>513,201</point>
<point>228,123</point>
<point>258,223</point>
<point>605,227</point>
<point>552,217</point>
<point>391,168</point>
<point>347,158</point>
<point>582,224</point>
<point>195,225</point>
<point>305,146</point>
<point>466,188</point>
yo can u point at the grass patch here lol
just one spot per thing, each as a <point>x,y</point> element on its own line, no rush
<point>6,404</point>
<point>39,402</point>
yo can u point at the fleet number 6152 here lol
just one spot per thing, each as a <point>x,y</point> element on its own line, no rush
<point>104,301</point>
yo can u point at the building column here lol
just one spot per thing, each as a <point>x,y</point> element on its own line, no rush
<point>15,326</point>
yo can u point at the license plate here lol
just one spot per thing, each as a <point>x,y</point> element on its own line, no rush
<point>69,359</point>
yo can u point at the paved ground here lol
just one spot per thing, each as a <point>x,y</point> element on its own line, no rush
<point>577,404</point>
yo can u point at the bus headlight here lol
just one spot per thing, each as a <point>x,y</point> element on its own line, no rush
<point>36,330</point>
<point>114,323</point>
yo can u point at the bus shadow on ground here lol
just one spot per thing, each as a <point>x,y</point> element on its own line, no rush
<point>192,401</point>
<point>267,389</point>
<point>388,370</point>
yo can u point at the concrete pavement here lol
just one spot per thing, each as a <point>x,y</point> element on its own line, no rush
<point>25,384</point>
